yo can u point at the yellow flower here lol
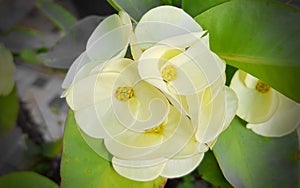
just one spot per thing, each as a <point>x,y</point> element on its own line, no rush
<point>268,112</point>
<point>158,110</point>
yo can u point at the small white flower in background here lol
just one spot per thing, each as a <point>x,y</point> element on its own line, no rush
<point>268,112</point>
<point>158,110</point>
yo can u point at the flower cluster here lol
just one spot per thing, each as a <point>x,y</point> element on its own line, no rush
<point>155,93</point>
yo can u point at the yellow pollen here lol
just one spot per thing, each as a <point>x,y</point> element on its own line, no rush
<point>262,87</point>
<point>124,93</point>
<point>169,73</point>
<point>155,130</point>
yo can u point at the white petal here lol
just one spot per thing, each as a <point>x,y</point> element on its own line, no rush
<point>284,121</point>
<point>163,22</point>
<point>197,68</point>
<point>75,67</point>
<point>110,39</point>
<point>182,41</point>
<point>147,109</point>
<point>180,167</point>
<point>131,170</point>
<point>212,117</point>
<point>89,122</point>
<point>254,107</point>
<point>231,106</point>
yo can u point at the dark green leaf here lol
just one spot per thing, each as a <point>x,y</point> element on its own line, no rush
<point>135,8</point>
<point>9,107</point>
<point>57,14</point>
<point>82,167</point>
<point>26,180</point>
<point>196,7</point>
<point>250,160</point>
<point>260,37</point>
<point>211,172</point>
<point>52,149</point>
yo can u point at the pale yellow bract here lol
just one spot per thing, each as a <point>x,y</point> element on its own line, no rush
<point>159,109</point>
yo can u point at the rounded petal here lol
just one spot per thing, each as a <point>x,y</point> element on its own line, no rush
<point>180,167</point>
<point>231,106</point>
<point>254,107</point>
<point>138,170</point>
<point>147,108</point>
<point>212,116</point>
<point>197,68</point>
<point>110,39</point>
<point>75,67</point>
<point>284,121</point>
<point>164,22</point>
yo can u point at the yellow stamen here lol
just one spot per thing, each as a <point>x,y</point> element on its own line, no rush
<point>262,87</point>
<point>169,73</point>
<point>155,130</point>
<point>124,93</point>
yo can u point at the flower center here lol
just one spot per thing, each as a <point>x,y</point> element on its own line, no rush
<point>169,73</point>
<point>124,93</point>
<point>262,87</point>
<point>155,130</point>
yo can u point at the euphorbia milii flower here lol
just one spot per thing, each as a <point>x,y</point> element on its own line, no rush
<point>268,112</point>
<point>160,106</point>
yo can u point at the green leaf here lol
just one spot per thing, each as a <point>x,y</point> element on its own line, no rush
<point>250,160</point>
<point>211,172</point>
<point>30,56</point>
<point>57,14</point>
<point>260,37</point>
<point>82,167</point>
<point>7,69</point>
<point>18,39</point>
<point>52,149</point>
<point>26,180</point>
<point>9,107</point>
<point>135,8</point>
<point>196,7</point>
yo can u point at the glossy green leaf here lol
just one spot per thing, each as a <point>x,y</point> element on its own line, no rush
<point>9,107</point>
<point>82,167</point>
<point>260,37</point>
<point>26,180</point>
<point>135,8</point>
<point>250,160</point>
<point>57,14</point>
<point>196,7</point>
<point>211,172</point>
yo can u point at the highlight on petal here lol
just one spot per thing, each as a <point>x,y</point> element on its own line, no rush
<point>164,22</point>
<point>179,167</point>
<point>138,170</point>
<point>284,121</point>
<point>254,106</point>
<point>110,39</point>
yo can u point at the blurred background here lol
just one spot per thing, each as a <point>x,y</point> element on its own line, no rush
<point>44,37</point>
